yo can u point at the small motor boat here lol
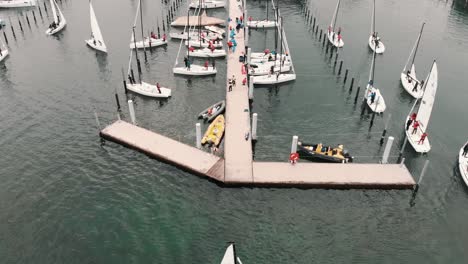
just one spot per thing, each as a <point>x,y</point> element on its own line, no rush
<point>213,111</point>
<point>320,152</point>
<point>215,132</point>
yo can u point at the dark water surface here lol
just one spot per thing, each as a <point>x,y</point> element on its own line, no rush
<point>64,198</point>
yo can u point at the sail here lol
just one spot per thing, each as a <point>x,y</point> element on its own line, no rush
<point>333,22</point>
<point>62,18</point>
<point>94,25</point>
<point>229,256</point>
<point>427,102</point>
<point>54,11</point>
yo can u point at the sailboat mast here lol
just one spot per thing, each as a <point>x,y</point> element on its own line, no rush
<point>267,8</point>
<point>373,66</point>
<point>281,44</point>
<point>276,31</point>
<point>336,16</point>
<point>142,33</point>
<point>373,20</point>
<point>188,34</point>
<point>417,44</point>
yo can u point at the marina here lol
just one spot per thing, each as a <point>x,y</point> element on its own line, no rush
<point>69,196</point>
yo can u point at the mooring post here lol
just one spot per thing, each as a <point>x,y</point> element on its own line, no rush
<point>331,53</point>
<point>97,121</point>
<point>402,148</point>
<point>357,94</point>
<point>345,76</point>
<point>316,30</point>
<point>124,81</point>
<point>251,88</point>
<point>21,26</point>
<point>351,85</point>
<point>336,59</point>
<point>313,25</point>
<point>385,129</point>
<point>45,7</point>
<point>320,36</point>
<point>132,111</point>
<point>326,49</point>
<point>246,36</point>
<point>40,12</point>
<point>294,144</point>
<point>27,19</point>
<point>4,35</point>
<point>416,187</point>
<point>249,54</point>
<point>388,147</point>
<point>198,134</point>
<point>339,69</point>
<point>254,126</point>
<point>324,39</point>
<point>402,162</point>
<point>117,100</point>
<point>372,119</point>
<point>12,30</point>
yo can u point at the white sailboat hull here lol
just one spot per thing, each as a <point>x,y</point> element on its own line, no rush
<point>207,4</point>
<point>56,30</point>
<point>184,35</point>
<point>17,3</point>
<point>379,105</point>
<point>195,70</point>
<point>409,86</point>
<point>148,43</point>
<point>463,165</point>
<point>207,53</point>
<point>264,70</point>
<point>216,29</point>
<point>273,79</point>
<point>380,49</point>
<point>333,38</point>
<point>413,139</point>
<point>100,47</point>
<point>201,44</point>
<point>262,55</point>
<point>5,53</point>
<point>261,24</point>
<point>147,89</point>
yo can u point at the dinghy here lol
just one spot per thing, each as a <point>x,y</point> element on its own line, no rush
<point>194,70</point>
<point>274,78</point>
<point>408,76</point>
<point>3,52</point>
<point>59,20</point>
<point>424,114</point>
<point>213,111</point>
<point>207,4</point>
<point>335,37</point>
<point>215,132</point>
<point>202,44</point>
<point>148,42</point>
<point>207,35</point>
<point>216,29</point>
<point>320,152</point>
<point>463,163</point>
<point>208,53</point>
<point>261,24</point>
<point>147,89</point>
<point>374,98</point>
<point>17,3</point>
<point>230,255</point>
<point>375,43</point>
<point>97,41</point>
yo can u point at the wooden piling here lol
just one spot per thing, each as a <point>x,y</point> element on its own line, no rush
<point>339,69</point>
<point>345,76</point>
<point>320,38</point>
<point>34,16</point>
<point>21,26</point>
<point>351,86</point>
<point>336,59</point>
<point>357,94</point>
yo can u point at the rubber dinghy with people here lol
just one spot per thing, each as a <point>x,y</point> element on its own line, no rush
<point>322,153</point>
<point>215,132</point>
<point>213,111</point>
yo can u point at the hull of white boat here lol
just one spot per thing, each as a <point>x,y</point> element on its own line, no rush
<point>413,139</point>
<point>98,46</point>
<point>263,56</point>
<point>208,35</point>
<point>216,29</point>
<point>274,79</point>
<point>463,165</point>
<point>208,4</point>
<point>147,89</point>
<point>409,86</point>
<point>266,70</point>
<point>379,105</point>
<point>148,43</point>
<point>56,30</point>
<point>380,48</point>
<point>333,38</point>
<point>17,3</point>
<point>195,70</point>
<point>261,24</point>
<point>207,53</point>
<point>201,44</point>
<point>5,53</point>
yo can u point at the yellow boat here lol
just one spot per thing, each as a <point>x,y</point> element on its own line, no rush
<point>215,132</point>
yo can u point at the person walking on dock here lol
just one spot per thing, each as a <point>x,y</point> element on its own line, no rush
<point>423,137</point>
<point>415,127</point>
<point>233,80</point>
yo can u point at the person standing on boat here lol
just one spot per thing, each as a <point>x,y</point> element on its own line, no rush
<point>164,37</point>
<point>206,64</point>
<point>153,36</point>
<point>372,97</point>
<point>415,126</point>
<point>130,79</point>
<point>423,137</point>
<point>158,87</point>
<point>415,88</point>
<point>191,49</point>
<point>186,60</point>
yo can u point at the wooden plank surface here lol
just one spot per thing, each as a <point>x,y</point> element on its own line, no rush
<point>329,175</point>
<point>164,148</point>
<point>237,150</point>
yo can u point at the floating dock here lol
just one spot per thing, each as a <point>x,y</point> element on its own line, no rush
<point>238,168</point>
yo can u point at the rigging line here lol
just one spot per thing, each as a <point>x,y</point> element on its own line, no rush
<point>133,36</point>
<point>188,36</point>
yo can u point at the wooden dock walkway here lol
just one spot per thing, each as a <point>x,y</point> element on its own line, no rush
<point>237,149</point>
<point>166,149</point>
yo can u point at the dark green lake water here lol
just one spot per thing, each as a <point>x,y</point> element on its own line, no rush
<point>64,198</point>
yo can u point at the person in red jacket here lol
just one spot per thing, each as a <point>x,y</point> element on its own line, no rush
<point>423,137</point>
<point>415,126</point>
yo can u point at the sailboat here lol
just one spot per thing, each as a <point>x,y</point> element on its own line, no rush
<point>424,113</point>
<point>375,43</point>
<point>408,76</point>
<point>96,41</point>
<point>147,42</point>
<point>207,4</point>
<point>189,68</point>
<point>276,77</point>
<point>17,3</point>
<point>229,255</point>
<point>262,23</point>
<point>463,163</point>
<point>374,98</point>
<point>59,20</point>
<point>335,38</point>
